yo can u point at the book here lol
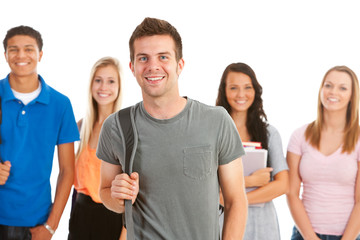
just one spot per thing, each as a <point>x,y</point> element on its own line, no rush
<point>254,159</point>
<point>256,145</point>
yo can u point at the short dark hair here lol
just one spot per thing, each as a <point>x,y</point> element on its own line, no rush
<point>154,26</point>
<point>23,30</point>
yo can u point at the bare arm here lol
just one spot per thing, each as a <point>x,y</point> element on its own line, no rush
<point>258,178</point>
<point>352,229</point>
<point>116,186</point>
<point>296,206</point>
<point>123,234</point>
<point>65,180</point>
<point>232,186</point>
<point>273,189</point>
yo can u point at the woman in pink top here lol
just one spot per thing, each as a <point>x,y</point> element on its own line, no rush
<point>90,219</point>
<point>324,156</point>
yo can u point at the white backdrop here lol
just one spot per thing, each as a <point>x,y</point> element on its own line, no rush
<point>289,44</point>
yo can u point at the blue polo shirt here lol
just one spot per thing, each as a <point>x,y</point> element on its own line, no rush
<point>29,135</point>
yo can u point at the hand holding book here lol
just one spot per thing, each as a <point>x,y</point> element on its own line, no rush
<point>255,171</point>
<point>259,178</point>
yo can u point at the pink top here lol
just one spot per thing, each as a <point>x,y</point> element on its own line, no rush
<point>328,184</point>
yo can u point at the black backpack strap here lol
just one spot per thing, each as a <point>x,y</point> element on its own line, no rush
<point>128,133</point>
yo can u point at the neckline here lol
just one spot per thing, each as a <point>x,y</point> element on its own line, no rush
<point>169,120</point>
<point>330,154</point>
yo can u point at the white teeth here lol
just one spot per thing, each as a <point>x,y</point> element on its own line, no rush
<point>21,64</point>
<point>103,95</point>
<point>333,99</point>
<point>154,78</point>
<point>241,102</point>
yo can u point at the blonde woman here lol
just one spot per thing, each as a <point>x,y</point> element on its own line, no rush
<point>324,156</point>
<point>90,219</point>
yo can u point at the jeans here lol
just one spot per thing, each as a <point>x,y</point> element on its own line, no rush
<point>14,233</point>
<point>297,236</point>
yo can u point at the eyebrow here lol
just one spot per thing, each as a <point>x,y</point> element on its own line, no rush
<point>341,84</point>
<point>164,53</point>
<point>160,53</point>
<point>99,76</point>
<point>15,46</point>
<point>141,54</point>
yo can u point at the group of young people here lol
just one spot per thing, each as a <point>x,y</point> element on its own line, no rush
<point>188,154</point>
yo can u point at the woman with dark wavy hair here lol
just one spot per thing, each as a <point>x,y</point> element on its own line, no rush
<point>240,94</point>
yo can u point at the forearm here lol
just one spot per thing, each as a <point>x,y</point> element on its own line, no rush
<point>266,193</point>
<point>301,218</point>
<point>111,203</point>
<point>235,217</point>
<point>257,179</point>
<point>248,181</point>
<point>123,234</point>
<point>352,229</point>
<point>116,186</point>
<point>63,188</point>
<point>273,189</point>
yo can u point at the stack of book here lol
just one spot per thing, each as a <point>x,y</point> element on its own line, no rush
<point>254,159</point>
<point>252,145</point>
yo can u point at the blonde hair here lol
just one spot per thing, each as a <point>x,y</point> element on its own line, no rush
<point>351,131</point>
<point>92,106</point>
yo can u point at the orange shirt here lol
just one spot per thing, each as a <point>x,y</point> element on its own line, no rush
<point>87,174</point>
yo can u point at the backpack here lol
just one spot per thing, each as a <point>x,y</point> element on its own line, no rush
<point>127,123</point>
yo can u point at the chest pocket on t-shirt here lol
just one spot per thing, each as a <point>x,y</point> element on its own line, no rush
<point>197,162</point>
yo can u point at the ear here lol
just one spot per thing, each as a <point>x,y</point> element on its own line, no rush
<point>131,65</point>
<point>180,67</point>
<point>40,55</point>
<point>6,58</point>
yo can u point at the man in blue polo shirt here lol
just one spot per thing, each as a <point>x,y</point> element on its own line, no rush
<point>35,119</point>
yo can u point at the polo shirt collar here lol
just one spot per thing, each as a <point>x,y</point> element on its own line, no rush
<point>43,97</point>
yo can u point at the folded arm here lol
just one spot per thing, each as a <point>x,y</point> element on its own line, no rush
<point>271,190</point>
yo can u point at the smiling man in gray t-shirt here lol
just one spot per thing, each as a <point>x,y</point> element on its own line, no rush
<point>185,149</point>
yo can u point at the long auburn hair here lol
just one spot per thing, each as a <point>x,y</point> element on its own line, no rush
<point>256,122</point>
<point>351,131</point>
<point>92,113</point>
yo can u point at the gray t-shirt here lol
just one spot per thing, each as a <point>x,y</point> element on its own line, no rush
<point>177,161</point>
<point>262,222</point>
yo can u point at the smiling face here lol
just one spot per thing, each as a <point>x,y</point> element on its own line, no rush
<point>155,66</point>
<point>105,85</point>
<point>336,91</point>
<point>22,54</point>
<point>240,92</point>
